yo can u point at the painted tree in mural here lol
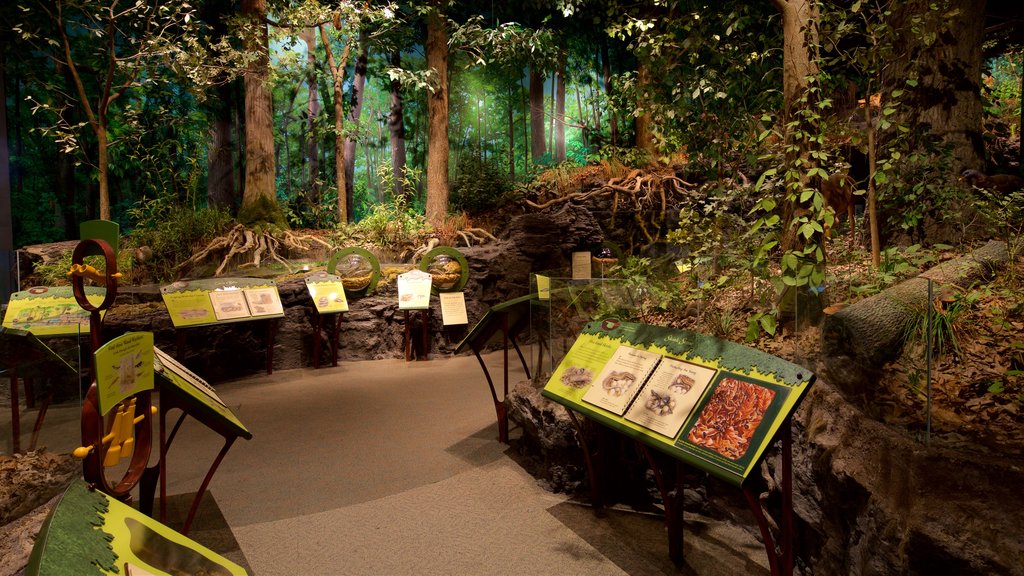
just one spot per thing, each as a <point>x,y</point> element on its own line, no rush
<point>136,38</point>
<point>348,19</point>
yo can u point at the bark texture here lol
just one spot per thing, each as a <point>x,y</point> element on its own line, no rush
<point>538,146</point>
<point>259,200</point>
<point>437,131</point>
<point>942,49</point>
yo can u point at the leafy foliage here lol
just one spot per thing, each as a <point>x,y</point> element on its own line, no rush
<point>480,185</point>
<point>172,233</point>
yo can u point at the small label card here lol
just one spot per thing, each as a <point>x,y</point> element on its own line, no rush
<point>581,266</point>
<point>453,308</point>
<point>414,290</point>
<point>543,287</point>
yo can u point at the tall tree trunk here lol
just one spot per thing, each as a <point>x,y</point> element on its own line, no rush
<point>220,182</point>
<point>338,76</point>
<point>551,127</point>
<point>798,37</point>
<point>511,139</point>
<point>606,72</point>
<point>559,120</point>
<point>312,156</point>
<point>524,104</point>
<point>644,137</point>
<point>537,144</point>
<point>945,106</point>
<point>437,129</point>
<point>6,219</point>
<point>584,138</point>
<point>396,128</point>
<point>259,202</point>
<point>355,111</point>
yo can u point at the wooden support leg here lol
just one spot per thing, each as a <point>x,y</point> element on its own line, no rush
<point>589,458</point>
<point>15,412</point>
<point>407,340</point>
<point>317,335</point>
<point>335,336</point>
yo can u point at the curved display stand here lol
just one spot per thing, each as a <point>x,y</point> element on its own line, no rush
<point>508,319</point>
<point>349,258</point>
<point>448,255</point>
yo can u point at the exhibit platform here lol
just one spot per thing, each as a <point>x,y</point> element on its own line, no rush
<point>392,467</point>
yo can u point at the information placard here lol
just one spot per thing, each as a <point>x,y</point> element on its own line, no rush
<point>453,308</point>
<point>211,301</point>
<point>51,311</point>
<point>714,404</point>
<point>195,392</point>
<point>327,292</point>
<point>124,367</point>
<point>414,290</point>
<point>581,266</point>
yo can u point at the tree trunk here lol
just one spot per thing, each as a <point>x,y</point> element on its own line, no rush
<point>511,140</point>
<point>644,137</point>
<point>6,220</point>
<point>945,106</point>
<point>559,126</point>
<point>312,157</point>
<point>537,146</point>
<point>396,128</point>
<point>437,129</point>
<point>220,182</point>
<point>800,32</point>
<point>338,77</point>
<point>606,72</point>
<point>355,111</point>
<point>858,340</point>
<point>259,202</point>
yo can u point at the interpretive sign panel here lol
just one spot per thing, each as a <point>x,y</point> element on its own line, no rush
<point>201,302</point>
<point>89,532</point>
<point>714,404</point>
<point>453,308</point>
<point>414,290</point>
<point>327,292</point>
<point>124,367</point>
<point>197,393</point>
<point>51,311</point>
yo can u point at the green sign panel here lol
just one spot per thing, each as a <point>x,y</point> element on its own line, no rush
<point>124,367</point>
<point>714,404</point>
<point>46,311</point>
<point>196,392</point>
<point>88,532</point>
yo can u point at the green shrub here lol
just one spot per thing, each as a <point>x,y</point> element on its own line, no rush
<point>172,234</point>
<point>479,186</point>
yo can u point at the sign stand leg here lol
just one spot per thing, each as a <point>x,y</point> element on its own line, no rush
<point>780,552</point>
<point>317,335</point>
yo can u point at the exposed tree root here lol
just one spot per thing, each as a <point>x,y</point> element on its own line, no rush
<point>647,195</point>
<point>262,245</point>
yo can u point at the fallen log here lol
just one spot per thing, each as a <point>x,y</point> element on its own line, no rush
<point>858,340</point>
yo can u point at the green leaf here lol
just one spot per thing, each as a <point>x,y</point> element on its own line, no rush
<point>768,323</point>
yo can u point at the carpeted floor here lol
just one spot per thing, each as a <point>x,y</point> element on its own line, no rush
<point>392,467</point>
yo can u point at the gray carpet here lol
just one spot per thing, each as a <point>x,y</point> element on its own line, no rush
<point>389,467</point>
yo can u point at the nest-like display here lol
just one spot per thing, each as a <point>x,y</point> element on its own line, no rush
<point>356,282</point>
<point>446,273</point>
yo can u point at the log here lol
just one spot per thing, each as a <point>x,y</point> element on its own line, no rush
<point>857,341</point>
